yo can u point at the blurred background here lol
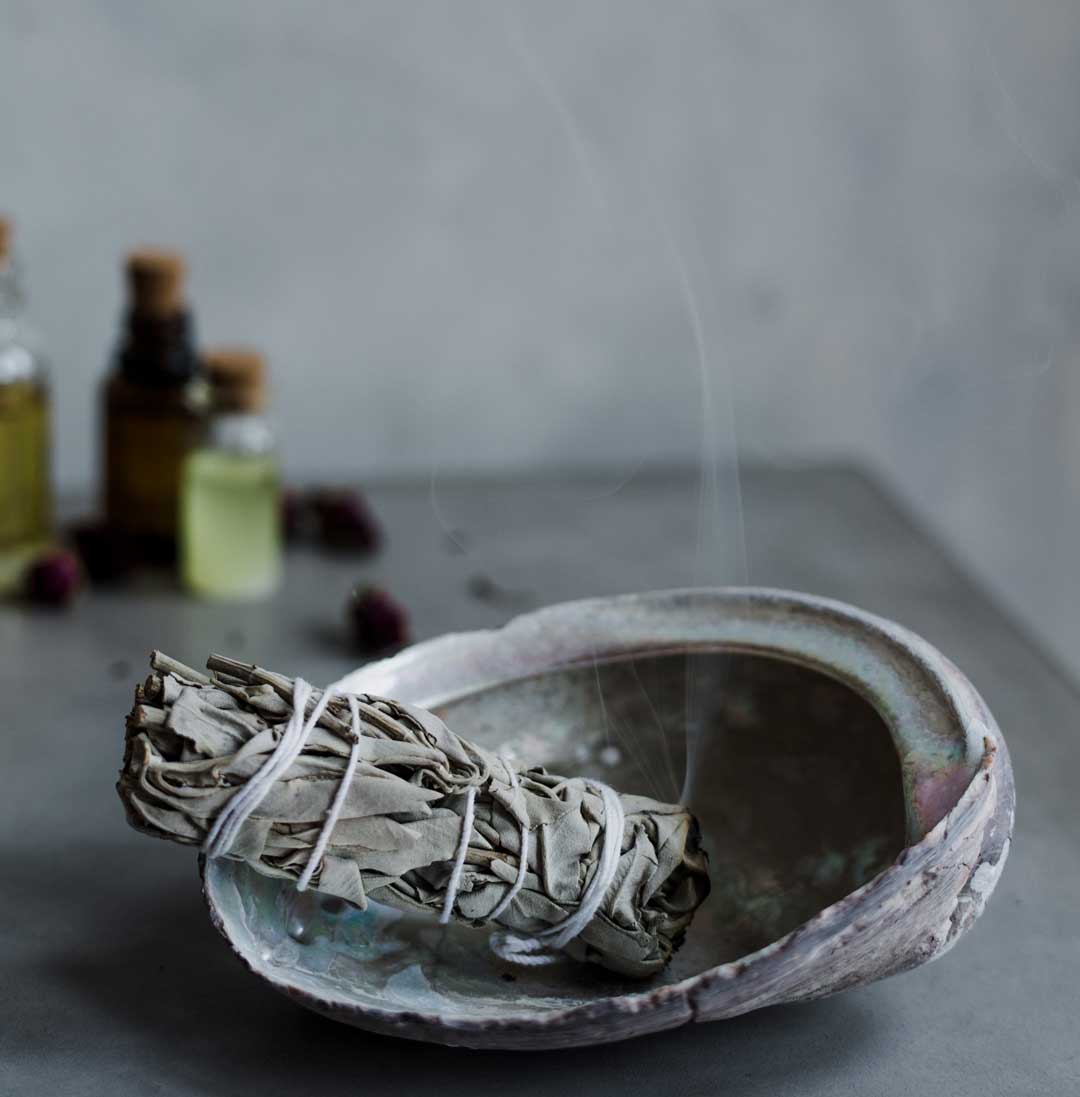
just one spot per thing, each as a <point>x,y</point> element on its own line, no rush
<point>478,238</point>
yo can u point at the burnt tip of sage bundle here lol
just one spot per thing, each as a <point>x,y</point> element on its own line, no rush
<point>367,798</point>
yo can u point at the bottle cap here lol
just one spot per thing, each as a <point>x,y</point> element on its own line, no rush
<point>155,282</point>
<point>237,377</point>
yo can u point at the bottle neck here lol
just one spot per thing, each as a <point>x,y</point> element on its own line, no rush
<point>19,357</point>
<point>158,350</point>
<point>245,433</point>
<point>11,292</point>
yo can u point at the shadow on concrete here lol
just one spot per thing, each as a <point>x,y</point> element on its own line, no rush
<point>167,1008</point>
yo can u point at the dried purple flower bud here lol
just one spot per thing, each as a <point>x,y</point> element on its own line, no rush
<point>54,578</point>
<point>377,620</point>
<point>107,555</point>
<point>345,521</point>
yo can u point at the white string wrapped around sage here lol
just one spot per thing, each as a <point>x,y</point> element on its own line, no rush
<point>419,819</point>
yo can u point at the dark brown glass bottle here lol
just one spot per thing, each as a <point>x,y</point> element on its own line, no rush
<point>155,404</point>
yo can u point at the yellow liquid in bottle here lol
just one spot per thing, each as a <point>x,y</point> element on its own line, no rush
<point>230,535</point>
<point>25,510</point>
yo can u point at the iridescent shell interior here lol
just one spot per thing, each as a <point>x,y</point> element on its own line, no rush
<point>793,774</point>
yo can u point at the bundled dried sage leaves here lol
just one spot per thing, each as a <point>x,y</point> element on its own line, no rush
<point>194,740</point>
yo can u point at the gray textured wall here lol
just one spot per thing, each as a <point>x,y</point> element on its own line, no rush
<point>475,235</point>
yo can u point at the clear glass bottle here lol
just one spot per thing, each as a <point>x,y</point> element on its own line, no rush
<point>230,488</point>
<point>25,415</point>
<point>155,405</point>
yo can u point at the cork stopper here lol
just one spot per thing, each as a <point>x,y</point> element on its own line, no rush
<point>237,377</point>
<point>5,239</point>
<point>155,282</point>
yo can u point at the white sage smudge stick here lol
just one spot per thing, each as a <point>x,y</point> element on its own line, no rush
<point>428,821</point>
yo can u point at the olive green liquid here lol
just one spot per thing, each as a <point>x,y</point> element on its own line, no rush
<point>230,541</point>
<point>25,506</point>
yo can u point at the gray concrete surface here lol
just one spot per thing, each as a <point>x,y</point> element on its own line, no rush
<point>114,982</point>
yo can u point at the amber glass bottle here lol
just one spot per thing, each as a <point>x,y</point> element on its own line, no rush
<point>25,494</point>
<point>155,403</point>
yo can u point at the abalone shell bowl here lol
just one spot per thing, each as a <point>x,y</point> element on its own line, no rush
<point>854,792</point>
